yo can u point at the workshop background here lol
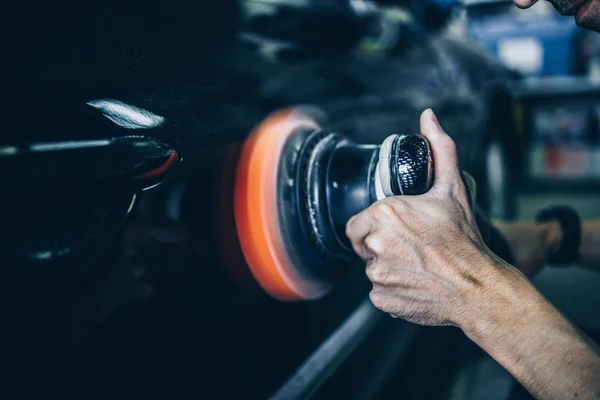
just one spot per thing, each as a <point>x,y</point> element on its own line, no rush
<point>154,314</point>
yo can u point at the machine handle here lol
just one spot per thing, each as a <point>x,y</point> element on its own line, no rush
<point>404,167</point>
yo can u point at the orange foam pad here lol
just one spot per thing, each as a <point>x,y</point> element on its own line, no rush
<point>256,207</point>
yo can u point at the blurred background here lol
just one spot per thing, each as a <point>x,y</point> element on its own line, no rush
<point>150,310</point>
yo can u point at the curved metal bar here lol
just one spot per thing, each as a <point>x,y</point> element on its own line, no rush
<point>326,359</point>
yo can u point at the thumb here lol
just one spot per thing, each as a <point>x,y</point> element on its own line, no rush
<point>445,159</point>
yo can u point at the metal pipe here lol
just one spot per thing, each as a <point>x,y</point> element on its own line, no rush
<point>326,359</point>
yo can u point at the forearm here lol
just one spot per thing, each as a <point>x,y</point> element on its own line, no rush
<point>521,330</point>
<point>589,251</point>
<point>533,244</point>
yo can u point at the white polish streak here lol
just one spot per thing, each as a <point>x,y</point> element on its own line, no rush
<point>126,115</point>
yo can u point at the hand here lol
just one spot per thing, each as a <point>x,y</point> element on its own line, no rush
<point>424,254</point>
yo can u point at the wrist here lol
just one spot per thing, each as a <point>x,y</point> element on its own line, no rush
<point>514,324</point>
<point>502,295</point>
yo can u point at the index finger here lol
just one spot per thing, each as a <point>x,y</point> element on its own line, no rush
<point>357,229</point>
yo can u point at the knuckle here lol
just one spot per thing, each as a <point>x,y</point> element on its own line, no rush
<point>377,299</point>
<point>376,273</point>
<point>372,273</point>
<point>351,226</point>
<point>375,244</point>
<point>349,229</point>
<point>448,145</point>
<point>383,211</point>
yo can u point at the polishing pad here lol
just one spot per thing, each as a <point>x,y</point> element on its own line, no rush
<point>296,187</point>
<point>258,208</point>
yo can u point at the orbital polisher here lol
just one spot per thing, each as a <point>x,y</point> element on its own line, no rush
<point>296,187</point>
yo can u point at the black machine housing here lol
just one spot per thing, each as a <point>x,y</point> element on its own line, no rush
<point>325,179</point>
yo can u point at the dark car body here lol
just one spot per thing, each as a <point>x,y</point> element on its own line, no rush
<point>149,309</point>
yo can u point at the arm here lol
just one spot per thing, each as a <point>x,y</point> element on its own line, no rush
<point>429,265</point>
<point>523,332</point>
<point>532,244</point>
